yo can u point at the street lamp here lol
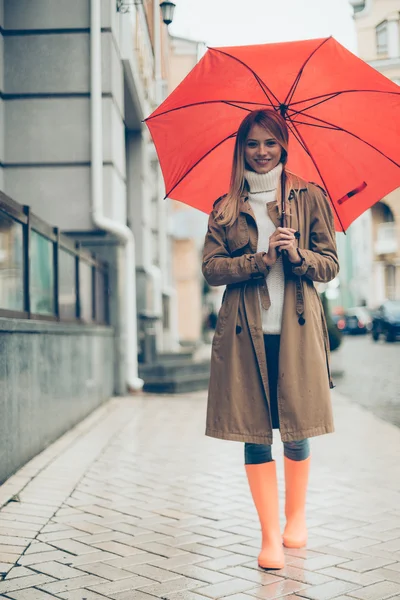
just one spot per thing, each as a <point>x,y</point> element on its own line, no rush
<point>167,9</point>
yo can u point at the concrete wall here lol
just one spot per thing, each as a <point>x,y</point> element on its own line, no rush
<point>51,377</point>
<point>47,110</point>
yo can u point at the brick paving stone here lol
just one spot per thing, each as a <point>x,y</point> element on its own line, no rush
<point>81,595</point>
<point>243,549</point>
<point>362,579</point>
<point>43,557</point>
<point>130,583</point>
<point>6,557</point>
<point>198,572</point>
<point>10,585</point>
<point>195,548</point>
<point>58,570</point>
<point>5,568</point>
<point>36,547</point>
<point>257,575</point>
<point>129,595</point>
<point>177,561</point>
<point>182,595</point>
<point>117,548</point>
<point>378,591</point>
<point>277,590</point>
<point>230,560</point>
<point>105,571</point>
<point>304,576</point>
<point>226,588</point>
<point>19,572</point>
<point>136,559</point>
<point>326,591</point>
<point>367,564</point>
<point>325,560</point>
<point>88,559</point>
<point>31,594</point>
<point>73,546</point>
<point>72,584</point>
<point>388,574</point>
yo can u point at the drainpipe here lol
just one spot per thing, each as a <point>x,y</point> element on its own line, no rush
<point>122,232</point>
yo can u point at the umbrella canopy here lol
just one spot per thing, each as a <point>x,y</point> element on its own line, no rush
<point>343,117</point>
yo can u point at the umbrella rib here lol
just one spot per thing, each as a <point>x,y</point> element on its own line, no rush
<point>303,110</point>
<point>315,125</point>
<point>260,82</point>
<point>232,135</point>
<point>340,92</point>
<point>230,102</point>
<point>319,173</point>
<point>294,133</point>
<point>337,128</point>
<point>299,74</point>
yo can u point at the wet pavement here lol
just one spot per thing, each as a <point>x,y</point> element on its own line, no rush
<point>136,504</point>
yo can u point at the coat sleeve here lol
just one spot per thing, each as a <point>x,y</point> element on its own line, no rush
<point>320,262</point>
<point>219,268</point>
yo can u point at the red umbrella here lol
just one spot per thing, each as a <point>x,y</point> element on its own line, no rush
<point>343,117</point>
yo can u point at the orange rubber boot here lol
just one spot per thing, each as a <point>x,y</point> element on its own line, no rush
<point>296,479</point>
<point>264,489</point>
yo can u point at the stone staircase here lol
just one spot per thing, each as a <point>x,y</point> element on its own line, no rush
<point>176,373</point>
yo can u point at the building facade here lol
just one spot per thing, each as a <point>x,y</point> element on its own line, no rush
<point>78,80</point>
<point>78,175</point>
<point>378,34</point>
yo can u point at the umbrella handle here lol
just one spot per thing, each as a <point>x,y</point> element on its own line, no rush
<point>283,206</point>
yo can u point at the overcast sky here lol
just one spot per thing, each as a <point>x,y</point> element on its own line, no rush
<point>239,22</point>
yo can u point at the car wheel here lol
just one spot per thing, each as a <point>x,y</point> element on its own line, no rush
<point>375,335</point>
<point>390,337</point>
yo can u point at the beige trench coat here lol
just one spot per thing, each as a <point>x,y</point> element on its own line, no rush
<point>238,406</point>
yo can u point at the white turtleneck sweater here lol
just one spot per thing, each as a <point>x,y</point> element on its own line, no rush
<point>263,190</point>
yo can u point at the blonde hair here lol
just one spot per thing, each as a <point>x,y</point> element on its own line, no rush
<point>275,124</point>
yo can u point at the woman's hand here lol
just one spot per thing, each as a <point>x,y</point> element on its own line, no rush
<point>283,238</point>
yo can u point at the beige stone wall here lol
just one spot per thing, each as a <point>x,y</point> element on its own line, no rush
<point>376,12</point>
<point>186,260</point>
<point>188,286</point>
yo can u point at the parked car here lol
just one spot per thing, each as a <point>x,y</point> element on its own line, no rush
<point>357,320</point>
<point>386,321</point>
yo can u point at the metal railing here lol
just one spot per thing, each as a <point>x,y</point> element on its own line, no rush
<point>45,274</point>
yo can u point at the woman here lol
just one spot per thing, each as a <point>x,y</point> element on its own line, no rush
<point>270,357</point>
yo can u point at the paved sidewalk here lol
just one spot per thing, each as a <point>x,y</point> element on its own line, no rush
<point>136,504</point>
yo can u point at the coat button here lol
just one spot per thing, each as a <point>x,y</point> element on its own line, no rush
<point>301,320</point>
<point>238,329</point>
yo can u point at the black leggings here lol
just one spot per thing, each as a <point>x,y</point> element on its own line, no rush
<point>256,454</point>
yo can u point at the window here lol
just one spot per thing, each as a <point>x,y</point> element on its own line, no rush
<point>11,264</point>
<point>41,275</point>
<point>67,285</point>
<point>382,38</point>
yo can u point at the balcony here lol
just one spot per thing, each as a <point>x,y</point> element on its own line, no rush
<point>386,239</point>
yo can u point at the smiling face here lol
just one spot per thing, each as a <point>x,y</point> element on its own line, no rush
<point>262,152</point>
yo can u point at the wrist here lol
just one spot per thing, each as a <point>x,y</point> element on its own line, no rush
<point>296,259</point>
